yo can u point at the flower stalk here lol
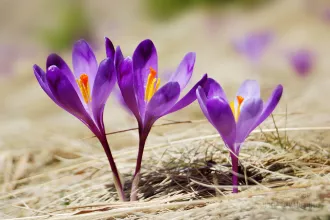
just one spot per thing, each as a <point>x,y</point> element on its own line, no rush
<point>136,176</point>
<point>234,162</point>
<point>116,176</point>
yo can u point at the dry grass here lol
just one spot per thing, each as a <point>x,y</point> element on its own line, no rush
<point>185,178</point>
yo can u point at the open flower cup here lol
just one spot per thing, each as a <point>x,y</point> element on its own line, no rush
<point>140,86</point>
<point>83,92</point>
<point>235,120</point>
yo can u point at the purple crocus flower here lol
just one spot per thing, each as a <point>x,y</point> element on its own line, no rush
<point>302,61</point>
<point>253,44</point>
<point>83,92</point>
<point>139,83</point>
<point>237,119</point>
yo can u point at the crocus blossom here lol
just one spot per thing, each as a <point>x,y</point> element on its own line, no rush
<point>253,45</point>
<point>119,97</point>
<point>83,92</point>
<point>235,120</point>
<point>140,85</point>
<point>302,61</point>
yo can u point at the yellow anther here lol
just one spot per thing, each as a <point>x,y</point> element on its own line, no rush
<point>236,112</point>
<point>84,87</point>
<point>232,106</point>
<point>150,90</point>
<point>157,85</point>
<point>152,85</point>
<point>148,86</point>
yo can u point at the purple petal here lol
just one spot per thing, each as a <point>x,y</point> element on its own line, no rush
<point>249,89</point>
<point>213,89</point>
<point>249,114</point>
<point>84,61</point>
<point>125,78</point>
<point>222,119</point>
<point>109,48</point>
<point>189,97</point>
<point>184,71</point>
<point>66,95</point>
<point>119,57</point>
<point>166,75</point>
<point>104,81</point>
<point>162,101</point>
<point>270,104</point>
<point>202,100</point>
<point>41,77</point>
<point>56,60</point>
<point>144,57</point>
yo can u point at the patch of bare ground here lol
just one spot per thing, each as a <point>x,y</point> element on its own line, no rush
<point>184,179</point>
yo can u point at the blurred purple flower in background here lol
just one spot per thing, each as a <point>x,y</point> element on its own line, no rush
<point>237,119</point>
<point>253,45</point>
<point>11,55</point>
<point>302,61</point>
<point>82,93</point>
<point>139,83</point>
<point>326,14</point>
<point>7,59</point>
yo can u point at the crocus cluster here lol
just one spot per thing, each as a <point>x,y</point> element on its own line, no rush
<point>84,91</point>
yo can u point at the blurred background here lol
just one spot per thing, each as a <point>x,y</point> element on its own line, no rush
<point>275,41</point>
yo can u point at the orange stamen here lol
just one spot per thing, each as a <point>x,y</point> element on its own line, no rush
<point>237,111</point>
<point>152,84</point>
<point>153,72</point>
<point>84,79</point>
<point>240,99</point>
<point>84,87</point>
